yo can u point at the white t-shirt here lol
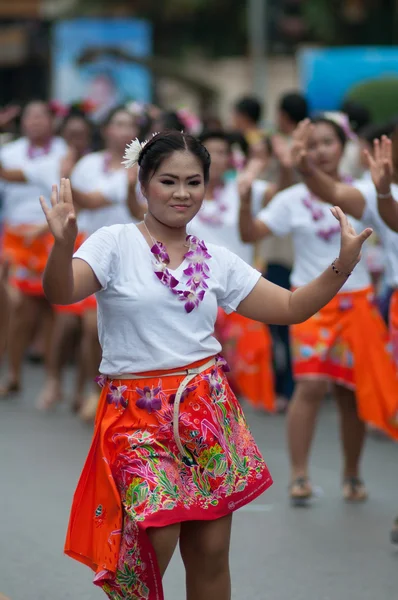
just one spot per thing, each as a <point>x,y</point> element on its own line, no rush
<point>221,227</point>
<point>90,175</point>
<point>21,200</point>
<point>388,237</point>
<point>316,235</point>
<point>142,326</point>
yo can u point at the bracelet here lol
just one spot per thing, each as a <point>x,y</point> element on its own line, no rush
<point>337,271</point>
<point>381,196</point>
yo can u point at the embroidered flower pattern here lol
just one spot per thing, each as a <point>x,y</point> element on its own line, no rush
<point>188,390</point>
<point>149,399</point>
<point>197,272</point>
<point>101,380</point>
<point>115,396</point>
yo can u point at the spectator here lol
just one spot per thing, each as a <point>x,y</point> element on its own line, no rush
<point>246,118</point>
<point>292,109</point>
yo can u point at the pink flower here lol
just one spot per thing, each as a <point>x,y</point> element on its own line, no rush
<point>167,278</point>
<point>222,364</point>
<point>148,399</point>
<point>160,252</point>
<point>115,396</point>
<point>196,276</point>
<point>101,380</point>
<point>188,390</point>
<point>192,299</point>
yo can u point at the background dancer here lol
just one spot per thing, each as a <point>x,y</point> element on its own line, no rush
<point>330,348</point>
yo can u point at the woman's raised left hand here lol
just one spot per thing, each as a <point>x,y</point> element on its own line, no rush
<point>350,242</point>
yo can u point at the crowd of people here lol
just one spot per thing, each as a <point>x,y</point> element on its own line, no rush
<point>268,198</point>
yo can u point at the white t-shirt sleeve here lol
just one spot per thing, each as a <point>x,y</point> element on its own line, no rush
<point>116,194</point>
<point>43,173</point>
<point>239,280</point>
<point>277,215</point>
<point>82,176</point>
<point>101,252</point>
<point>370,214</point>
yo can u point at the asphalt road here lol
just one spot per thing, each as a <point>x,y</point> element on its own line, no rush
<point>331,551</point>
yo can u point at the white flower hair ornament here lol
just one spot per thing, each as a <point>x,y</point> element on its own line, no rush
<point>133,151</point>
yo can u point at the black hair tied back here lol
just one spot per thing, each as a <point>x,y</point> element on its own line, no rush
<point>162,145</point>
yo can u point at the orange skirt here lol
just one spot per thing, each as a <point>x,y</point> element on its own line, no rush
<point>347,342</point>
<point>247,347</point>
<point>167,448</point>
<point>393,322</point>
<point>27,259</point>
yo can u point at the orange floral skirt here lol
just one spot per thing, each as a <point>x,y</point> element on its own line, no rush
<point>247,347</point>
<point>167,448</point>
<point>27,258</point>
<point>393,321</point>
<point>347,342</point>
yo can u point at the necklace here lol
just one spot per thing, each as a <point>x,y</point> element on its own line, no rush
<point>197,272</point>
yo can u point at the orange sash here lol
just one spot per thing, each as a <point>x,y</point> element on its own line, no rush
<point>347,342</point>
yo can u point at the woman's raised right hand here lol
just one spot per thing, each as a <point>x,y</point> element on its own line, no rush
<point>299,155</point>
<point>61,217</point>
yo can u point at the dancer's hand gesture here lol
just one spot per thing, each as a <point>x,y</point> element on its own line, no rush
<point>350,242</point>
<point>298,152</point>
<point>380,164</point>
<point>61,217</point>
<point>132,176</point>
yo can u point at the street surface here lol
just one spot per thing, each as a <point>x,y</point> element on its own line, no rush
<point>332,551</point>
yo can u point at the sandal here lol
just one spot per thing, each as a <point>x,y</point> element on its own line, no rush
<point>394,532</point>
<point>9,389</point>
<point>354,490</point>
<point>300,491</point>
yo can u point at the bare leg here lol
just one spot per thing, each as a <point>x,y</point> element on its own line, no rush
<point>91,351</point>
<point>5,304</point>
<point>23,321</point>
<point>353,433</point>
<point>204,549</point>
<point>301,420</point>
<point>164,541</point>
<point>63,329</point>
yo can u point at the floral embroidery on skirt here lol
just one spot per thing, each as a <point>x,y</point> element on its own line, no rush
<point>134,463</point>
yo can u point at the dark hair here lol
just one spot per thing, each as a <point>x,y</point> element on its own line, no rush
<point>113,112</point>
<point>376,131</point>
<point>162,145</point>
<point>250,107</point>
<point>171,120</point>
<point>76,113</point>
<point>295,106</point>
<point>215,134</point>
<point>339,131</point>
<point>358,115</point>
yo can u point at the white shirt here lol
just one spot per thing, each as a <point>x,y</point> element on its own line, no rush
<point>21,200</point>
<point>388,237</point>
<point>316,242</point>
<point>89,175</point>
<point>142,326</point>
<point>221,227</point>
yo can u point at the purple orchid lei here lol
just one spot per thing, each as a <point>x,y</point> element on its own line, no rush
<point>318,212</point>
<point>219,208</point>
<point>197,272</point>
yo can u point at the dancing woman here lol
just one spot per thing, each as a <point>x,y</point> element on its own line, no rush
<point>331,347</point>
<point>371,201</point>
<point>171,457</point>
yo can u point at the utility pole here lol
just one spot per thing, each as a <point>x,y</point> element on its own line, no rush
<point>257,36</point>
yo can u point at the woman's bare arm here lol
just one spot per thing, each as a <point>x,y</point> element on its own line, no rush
<point>272,304</point>
<point>251,229</point>
<point>66,280</point>
<point>382,171</point>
